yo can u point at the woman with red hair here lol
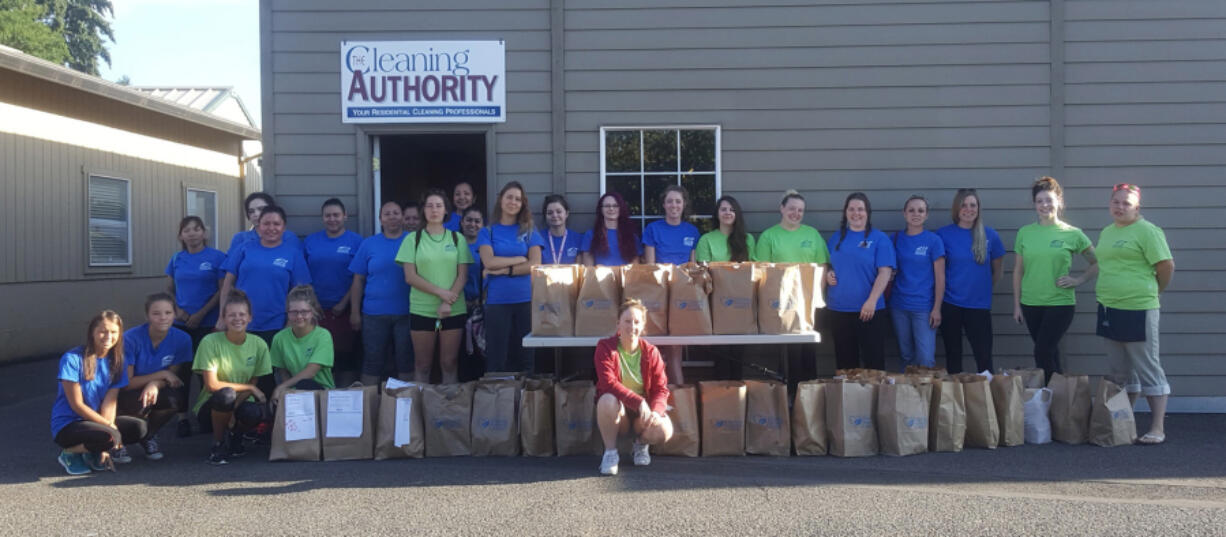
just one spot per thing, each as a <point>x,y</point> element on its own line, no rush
<point>612,240</point>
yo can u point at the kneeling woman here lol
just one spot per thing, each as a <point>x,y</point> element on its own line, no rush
<point>631,389</point>
<point>229,364</point>
<point>302,352</point>
<point>83,420</point>
<point>159,371</point>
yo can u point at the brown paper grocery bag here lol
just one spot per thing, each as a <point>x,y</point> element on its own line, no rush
<point>902,417</point>
<point>649,284</point>
<point>447,414</point>
<point>554,291</point>
<point>1032,377</point>
<point>689,295</point>
<point>303,425</point>
<point>1007,398</point>
<point>781,300</point>
<point>810,280</point>
<point>536,418</point>
<point>1112,422</point>
<point>850,410</point>
<point>768,428</point>
<point>982,429</point>
<point>574,411</point>
<point>809,418</point>
<point>600,294</point>
<point>947,416</point>
<point>1070,408</point>
<point>734,298</point>
<point>495,418</point>
<point>934,372</point>
<point>683,412</point>
<point>723,417</point>
<point>400,432</point>
<point>351,413</point>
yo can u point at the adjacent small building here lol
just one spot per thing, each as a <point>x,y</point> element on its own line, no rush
<point>94,179</point>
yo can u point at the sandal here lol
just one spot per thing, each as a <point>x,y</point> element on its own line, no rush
<point>1152,439</point>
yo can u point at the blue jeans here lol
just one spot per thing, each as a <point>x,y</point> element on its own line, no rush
<point>380,331</point>
<point>505,328</point>
<point>916,338</point>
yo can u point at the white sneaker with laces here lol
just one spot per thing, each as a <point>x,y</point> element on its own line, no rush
<point>641,456</point>
<point>608,463</point>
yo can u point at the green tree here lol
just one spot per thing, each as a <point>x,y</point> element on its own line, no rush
<point>84,25</point>
<point>22,27</point>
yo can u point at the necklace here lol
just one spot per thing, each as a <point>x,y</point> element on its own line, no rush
<point>440,238</point>
<point>560,250</point>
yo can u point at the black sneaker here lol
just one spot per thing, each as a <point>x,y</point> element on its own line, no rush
<point>185,428</point>
<point>217,455</point>
<point>236,445</point>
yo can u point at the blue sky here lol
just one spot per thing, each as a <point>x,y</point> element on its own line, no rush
<point>188,43</point>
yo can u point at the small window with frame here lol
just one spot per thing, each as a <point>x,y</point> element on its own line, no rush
<point>640,162</point>
<point>110,221</point>
<point>202,203</point>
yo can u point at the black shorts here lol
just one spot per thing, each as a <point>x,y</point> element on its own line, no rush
<point>418,323</point>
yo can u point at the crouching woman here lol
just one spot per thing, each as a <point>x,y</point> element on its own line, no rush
<point>631,389</point>
<point>230,364</point>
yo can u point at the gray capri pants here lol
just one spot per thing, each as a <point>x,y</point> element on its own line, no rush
<point>1135,365</point>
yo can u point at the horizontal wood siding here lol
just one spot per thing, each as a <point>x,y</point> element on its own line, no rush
<point>316,154</point>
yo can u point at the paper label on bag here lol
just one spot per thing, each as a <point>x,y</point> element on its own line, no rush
<point>404,421</point>
<point>299,416</point>
<point>395,383</point>
<point>344,414</point>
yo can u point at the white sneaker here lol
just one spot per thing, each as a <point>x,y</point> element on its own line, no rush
<point>641,456</point>
<point>608,463</point>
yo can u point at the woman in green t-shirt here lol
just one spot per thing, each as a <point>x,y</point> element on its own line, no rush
<point>791,241</point>
<point>302,352</point>
<point>230,363</point>
<point>729,242</point>
<point>435,262</point>
<point>1135,266</point>
<point>1043,289</point>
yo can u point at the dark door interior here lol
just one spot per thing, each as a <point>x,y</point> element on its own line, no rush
<point>411,164</point>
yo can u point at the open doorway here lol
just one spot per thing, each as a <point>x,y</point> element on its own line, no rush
<point>411,164</point>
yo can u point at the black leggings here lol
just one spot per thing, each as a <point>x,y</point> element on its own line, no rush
<point>170,401</point>
<point>97,437</point>
<point>1047,324</point>
<point>978,326</point>
<point>858,343</point>
<point>247,414</point>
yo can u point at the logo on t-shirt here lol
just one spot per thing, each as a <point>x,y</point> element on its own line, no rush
<point>281,262</point>
<point>310,351</point>
<point>1056,243</point>
<point>449,248</point>
<point>167,360</point>
<point>250,360</point>
<point>206,266</point>
<point>866,244</point>
<point>572,251</point>
<point>689,241</point>
<point>1119,244</point>
<point>342,249</point>
<point>921,250</point>
<point>806,244</point>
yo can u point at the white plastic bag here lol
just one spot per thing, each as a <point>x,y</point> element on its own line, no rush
<point>1036,423</point>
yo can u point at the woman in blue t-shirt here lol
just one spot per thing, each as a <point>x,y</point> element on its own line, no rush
<point>671,240</point>
<point>561,245</point>
<point>328,253</point>
<point>919,286</point>
<point>159,369</point>
<point>509,247</point>
<point>84,421</point>
<point>253,207</point>
<point>973,254</point>
<point>195,279</point>
<point>379,300</point>
<point>461,199</point>
<point>472,349</point>
<point>862,261</point>
<point>265,269</point>
<point>612,240</point>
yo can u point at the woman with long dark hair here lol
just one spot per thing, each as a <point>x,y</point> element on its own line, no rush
<point>612,240</point>
<point>253,207</point>
<point>862,261</point>
<point>509,247</point>
<point>561,244</point>
<point>84,422</point>
<point>973,254</point>
<point>265,270</point>
<point>729,241</point>
<point>195,279</point>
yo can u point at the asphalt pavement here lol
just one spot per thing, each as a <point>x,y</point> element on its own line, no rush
<point>1178,488</point>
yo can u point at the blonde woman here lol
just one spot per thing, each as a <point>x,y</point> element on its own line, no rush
<point>973,254</point>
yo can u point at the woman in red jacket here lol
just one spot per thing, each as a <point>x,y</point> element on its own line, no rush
<point>631,388</point>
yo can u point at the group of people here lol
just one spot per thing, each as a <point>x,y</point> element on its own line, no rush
<point>440,279</point>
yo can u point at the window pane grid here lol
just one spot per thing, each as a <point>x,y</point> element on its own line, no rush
<point>694,164</point>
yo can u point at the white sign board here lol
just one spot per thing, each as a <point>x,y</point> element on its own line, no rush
<point>423,82</point>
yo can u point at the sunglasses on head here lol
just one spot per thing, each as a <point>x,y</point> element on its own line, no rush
<point>1126,186</point>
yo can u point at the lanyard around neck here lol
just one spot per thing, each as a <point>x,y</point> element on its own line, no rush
<point>557,253</point>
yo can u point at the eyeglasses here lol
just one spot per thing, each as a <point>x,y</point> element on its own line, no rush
<point>1126,186</point>
<point>300,313</point>
<point>607,206</point>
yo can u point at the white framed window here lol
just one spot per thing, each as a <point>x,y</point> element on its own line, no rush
<point>110,221</point>
<point>202,203</point>
<point>640,162</point>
